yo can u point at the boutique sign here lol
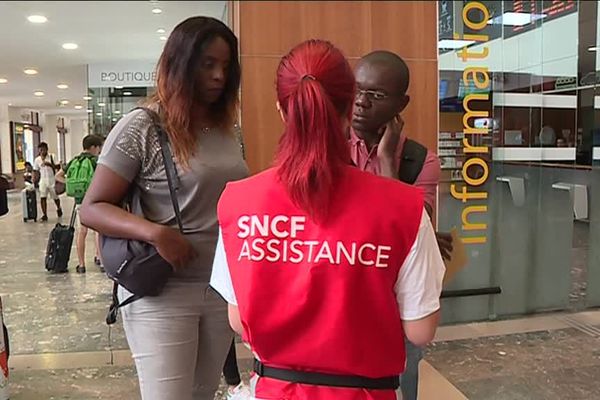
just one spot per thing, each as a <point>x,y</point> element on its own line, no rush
<point>131,74</point>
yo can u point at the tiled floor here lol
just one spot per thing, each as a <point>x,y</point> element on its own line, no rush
<point>61,347</point>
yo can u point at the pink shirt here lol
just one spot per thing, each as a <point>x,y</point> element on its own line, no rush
<point>367,161</point>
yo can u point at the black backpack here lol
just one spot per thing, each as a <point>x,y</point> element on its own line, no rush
<point>412,160</point>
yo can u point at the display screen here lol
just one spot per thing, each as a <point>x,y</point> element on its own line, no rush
<point>541,12</point>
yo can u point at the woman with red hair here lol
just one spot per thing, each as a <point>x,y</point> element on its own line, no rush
<point>323,297</point>
<point>179,339</point>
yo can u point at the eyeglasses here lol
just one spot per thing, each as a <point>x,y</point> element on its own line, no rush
<point>372,94</point>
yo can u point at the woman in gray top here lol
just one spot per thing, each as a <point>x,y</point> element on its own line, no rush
<point>179,340</point>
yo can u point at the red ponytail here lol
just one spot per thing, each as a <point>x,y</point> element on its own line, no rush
<point>315,89</point>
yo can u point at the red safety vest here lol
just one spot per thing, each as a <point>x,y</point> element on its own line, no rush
<point>321,298</point>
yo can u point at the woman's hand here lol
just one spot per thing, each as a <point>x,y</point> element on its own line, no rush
<point>173,247</point>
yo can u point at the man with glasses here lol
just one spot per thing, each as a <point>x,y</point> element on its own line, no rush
<point>379,146</point>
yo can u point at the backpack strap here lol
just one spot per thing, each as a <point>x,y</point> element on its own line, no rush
<point>412,160</point>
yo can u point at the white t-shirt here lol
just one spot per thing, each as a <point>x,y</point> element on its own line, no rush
<point>417,288</point>
<point>46,172</point>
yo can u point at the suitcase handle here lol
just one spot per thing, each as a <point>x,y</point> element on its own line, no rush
<point>73,216</point>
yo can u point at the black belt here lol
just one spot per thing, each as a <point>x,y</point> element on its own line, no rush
<point>319,379</point>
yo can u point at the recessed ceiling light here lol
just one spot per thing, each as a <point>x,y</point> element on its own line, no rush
<point>99,114</point>
<point>62,86</point>
<point>127,93</point>
<point>78,106</point>
<point>70,46</point>
<point>163,38</point>
<point>101,104</point>
<point>90,111</point>
<point>160,30</point>
<point>118,87</point>
<point>88,98</point>
<point>37,19</point>
<point>515,19</point>
<point>10,104</point>
<point>117,112</point>
<point>38,93</point>
<point>114,120</point>
<point>156,10</point>
<point>454,44</point>
<point>3,80</point>
<point>30,71</point>
<point>64,102</point>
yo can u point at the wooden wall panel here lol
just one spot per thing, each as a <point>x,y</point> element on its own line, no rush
<point>408,28</point>
<point>285,24</point>
<point>269,29</point>
<point>261,124</point>
<point>421,121</point>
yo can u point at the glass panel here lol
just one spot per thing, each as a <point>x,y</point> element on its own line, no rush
<point>509,184</point>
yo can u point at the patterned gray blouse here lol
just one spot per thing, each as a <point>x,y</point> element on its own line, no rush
<point>132,151</point>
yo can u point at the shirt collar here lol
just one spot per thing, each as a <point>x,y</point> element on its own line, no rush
<point>355,140</point>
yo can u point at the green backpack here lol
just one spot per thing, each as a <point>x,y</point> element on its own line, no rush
<point>79,176</point>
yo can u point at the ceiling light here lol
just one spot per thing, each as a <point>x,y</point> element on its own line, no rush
<point>64,102</point>
<point>163,38</point>
<point>454,44</point>
<point>30,71</point>
<point>78,106</point>
<point>114,120</point>
<point>160,30</point>
<point>87,98</point>
<point>127,93</point>
<point>90,110</point>
<point>37,19</point>
<point>515,19</point>
<point>38,93</point>
<point>99,114</point>
<point>3,80</point>
<point>117,112</point>
<point>101,104</point>
<point>118,87</point>
<point>62,86</point>
<point>156,10</point>
<point>70,46</point>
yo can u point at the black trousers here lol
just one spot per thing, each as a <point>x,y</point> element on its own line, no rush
<point>230,369</point>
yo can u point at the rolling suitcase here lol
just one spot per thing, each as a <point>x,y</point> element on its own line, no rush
<point>59,246</point>
<point>29,201</point>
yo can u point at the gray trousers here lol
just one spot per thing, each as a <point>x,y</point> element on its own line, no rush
<point>179,341</point>
<point>409,380</point>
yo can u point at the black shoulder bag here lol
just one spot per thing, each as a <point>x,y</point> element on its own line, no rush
<point>134,264</point>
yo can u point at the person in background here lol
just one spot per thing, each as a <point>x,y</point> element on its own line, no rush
<point>236,389</point>
<point>28,174</point>
<point>379,145</point>
<point>45,167</point>
<point>561,142</point>
<point>307,281</point>
<point>179,339</point>
<point>82,167</point>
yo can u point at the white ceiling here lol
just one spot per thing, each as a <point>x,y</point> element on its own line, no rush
<point>106,31</point>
